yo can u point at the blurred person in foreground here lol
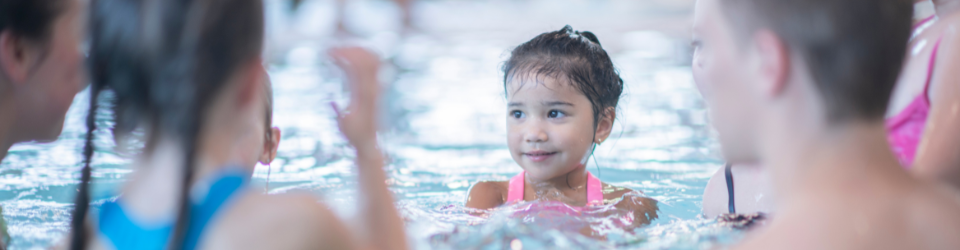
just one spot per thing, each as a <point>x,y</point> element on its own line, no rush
<point>807,99</point>
<point>41,70</point>
<point>190,74</point>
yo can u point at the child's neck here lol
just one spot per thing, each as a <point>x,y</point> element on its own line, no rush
<point>573,181</point>
<point>154,188</point>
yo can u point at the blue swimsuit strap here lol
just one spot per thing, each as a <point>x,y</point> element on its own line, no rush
<point>123,233</point>
<point>201,214</point>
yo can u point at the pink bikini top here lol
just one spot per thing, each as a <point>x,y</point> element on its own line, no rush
<point>594,190</point>
<point>905,130</point>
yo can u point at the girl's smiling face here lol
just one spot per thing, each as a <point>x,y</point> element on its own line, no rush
<point>550,126</point>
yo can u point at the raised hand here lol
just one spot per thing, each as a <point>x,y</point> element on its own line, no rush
<point>359,124</point>
<point>359,121</point>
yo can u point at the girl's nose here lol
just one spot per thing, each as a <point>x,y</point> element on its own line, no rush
<point>535,134</point>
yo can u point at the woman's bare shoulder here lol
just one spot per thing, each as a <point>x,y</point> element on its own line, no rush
<point>283,221</point>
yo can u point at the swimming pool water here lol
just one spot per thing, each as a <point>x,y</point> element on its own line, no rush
<point>444,125</point>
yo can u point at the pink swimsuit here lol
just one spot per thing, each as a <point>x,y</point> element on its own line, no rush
<point>905,130</point>
<point>594,205</point>
<point>594,190</point>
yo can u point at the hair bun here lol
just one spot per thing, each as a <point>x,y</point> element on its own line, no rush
<point>590,36</point>
<point>574,55</point>
<point>584,34</point>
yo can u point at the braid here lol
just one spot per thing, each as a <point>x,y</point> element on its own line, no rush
<point>182,226</point>
<point>191,40</point>
<point>166,75</point>
<point>82,203</point>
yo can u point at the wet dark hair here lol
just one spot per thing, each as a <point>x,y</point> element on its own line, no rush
<point>854,49</point>
<point>32,19</point>
<point>164,60</point>
<point>573,55</point>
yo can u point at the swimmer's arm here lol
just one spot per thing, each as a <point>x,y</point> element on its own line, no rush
<point>384,225</point>
<point>383,228</point>
<point>715,195</point>
<point>485,195</point>
<point>937,155</point>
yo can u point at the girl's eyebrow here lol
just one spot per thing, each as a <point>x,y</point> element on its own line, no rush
<point>558,104</point>
<point>555,103</point>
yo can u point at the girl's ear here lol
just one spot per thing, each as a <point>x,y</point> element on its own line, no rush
<point>16,57</point>
<point>605,125</point>
<point>774,63</point>
<point>270,146</point>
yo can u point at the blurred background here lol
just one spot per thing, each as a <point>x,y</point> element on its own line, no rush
<point>444,121</point>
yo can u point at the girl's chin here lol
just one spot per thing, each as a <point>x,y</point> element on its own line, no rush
<point>543,173</point>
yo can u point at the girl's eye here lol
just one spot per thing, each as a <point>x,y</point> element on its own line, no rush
<point>516,114</point>
<point>555,114</point>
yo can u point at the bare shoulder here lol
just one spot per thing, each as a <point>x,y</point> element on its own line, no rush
<point>616,194</point>
<point>286,221</point>
<point>611,192</point>
<point>715,195</point>
<point>487,194</point>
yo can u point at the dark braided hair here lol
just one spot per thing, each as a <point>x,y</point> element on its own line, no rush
<point>164,60</point>
<point>574,55</point>
<point>82,201</point>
